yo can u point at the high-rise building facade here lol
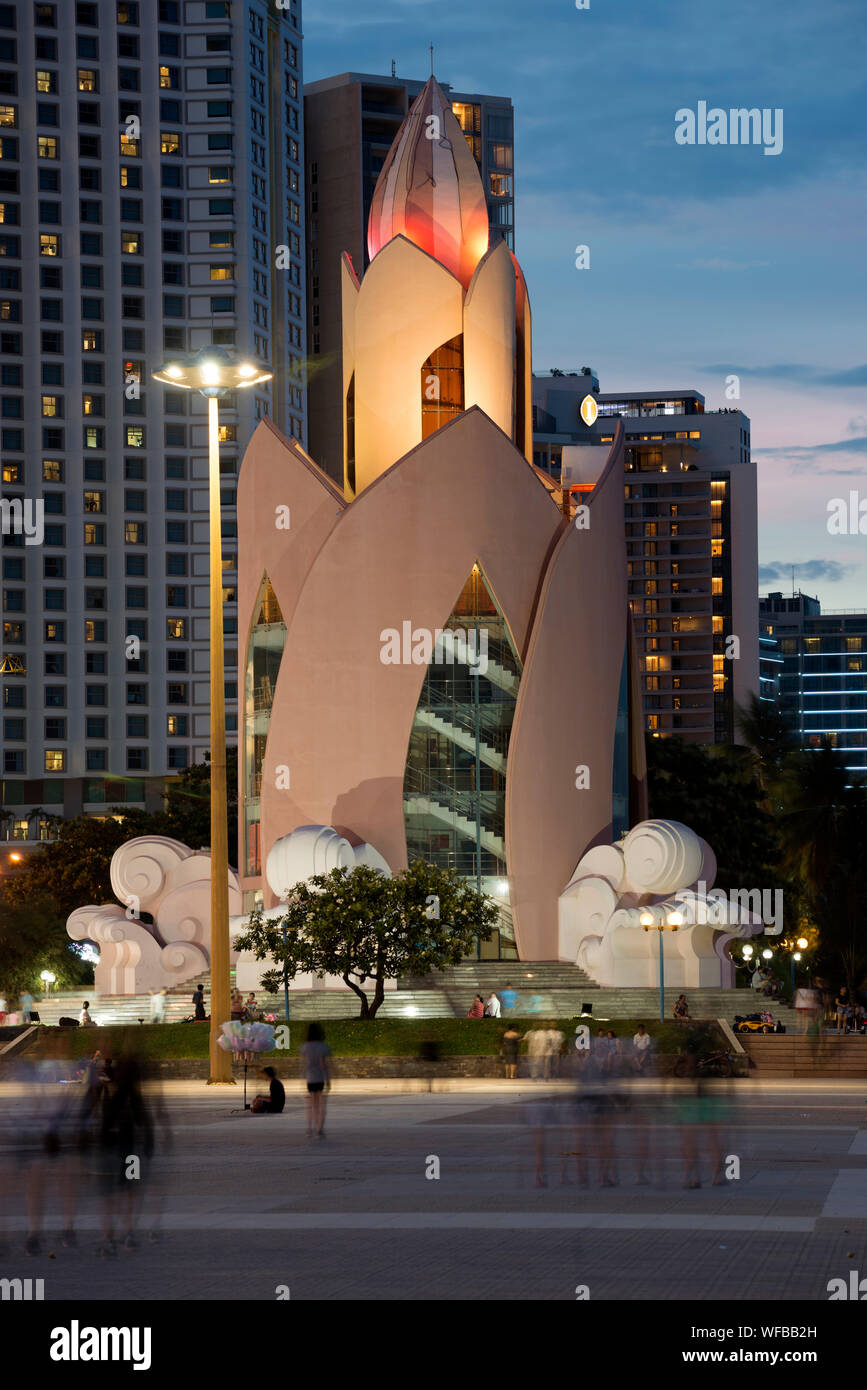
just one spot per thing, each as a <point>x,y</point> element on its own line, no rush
<point>350,125</point>
<point>150,203</point>
<point>823,686</point>
<point>691,541</point>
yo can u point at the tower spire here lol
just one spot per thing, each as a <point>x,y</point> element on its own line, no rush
<point>431,61</point>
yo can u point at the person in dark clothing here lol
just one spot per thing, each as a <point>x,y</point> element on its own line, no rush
<point>273,1103</point>
<point>199,1004</point>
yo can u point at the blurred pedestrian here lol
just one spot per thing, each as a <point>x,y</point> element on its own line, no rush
<point>509,998</point>
<point>641,1049</point>
<point>554,1041</point>
<point>315,1055</point>
<point>511,1043</point>
<point>158,1006</point>
<point>681,1009</point>
<point>26,1006</point>
<point>199,1004</point>
<point>537,1044</point>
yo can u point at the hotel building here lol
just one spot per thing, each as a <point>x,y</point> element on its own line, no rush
<point>150,165</point>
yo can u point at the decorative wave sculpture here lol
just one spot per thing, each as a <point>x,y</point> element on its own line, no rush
<point>660,873</point>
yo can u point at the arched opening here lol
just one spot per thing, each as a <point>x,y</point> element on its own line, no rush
<point>455,779</point>
<point>442,386</point>
<point>264,655</point>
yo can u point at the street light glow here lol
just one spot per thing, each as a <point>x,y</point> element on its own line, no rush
<point>767,953</point>
<point>803,943</point>
<point>796,956</point>
<point>210,373</point>
<point>174,370</point>
<point>748,951</point>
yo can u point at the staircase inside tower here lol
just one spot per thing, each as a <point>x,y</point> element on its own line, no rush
<point>455,780</point>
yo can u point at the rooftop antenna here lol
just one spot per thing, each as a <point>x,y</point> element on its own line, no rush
<point>393,72</point>
<point>431,60</point>
<point>793,582</point>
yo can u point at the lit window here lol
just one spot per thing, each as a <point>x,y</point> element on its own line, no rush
<point>228,433</point>
<point>222,272</point>
<point>94,501</point>
<point>134,436</point>
<point>170,142</point>
<point>695,434</point>
<point>7,115</point>
<point>220,173</point>
<point>130,148</point>
<point>89,341</point>
<point>130,243</point>
<point>46,81</point>
<point>165,76</point>
<point>49,245</point>
<point>134,532</point>
<point>501,185</point>
<point>46,146</point>
<point>49,405</point>
<point>55,760</point>
<point>176,627</point>
<point>86,80</point>
<point>716,585</point>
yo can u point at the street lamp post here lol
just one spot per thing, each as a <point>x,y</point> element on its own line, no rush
<point>649,921</point>
<point>213,371</point>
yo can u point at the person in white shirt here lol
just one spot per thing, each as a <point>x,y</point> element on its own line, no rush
<point>492,1006</point>
<point>537,1040</point>
<point>641,1047</point>
<point>554,1041</point>
<point>84,1018</point>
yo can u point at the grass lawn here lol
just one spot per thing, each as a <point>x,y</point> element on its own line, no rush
<point>398,1037</point>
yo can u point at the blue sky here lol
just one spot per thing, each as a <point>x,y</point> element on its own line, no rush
<point>704,260</point>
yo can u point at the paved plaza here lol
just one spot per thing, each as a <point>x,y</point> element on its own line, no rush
<point>251,1206</point>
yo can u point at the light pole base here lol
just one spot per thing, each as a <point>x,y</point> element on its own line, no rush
<point>222,1081</point>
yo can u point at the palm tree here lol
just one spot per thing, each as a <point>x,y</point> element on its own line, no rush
<point>770,737</point>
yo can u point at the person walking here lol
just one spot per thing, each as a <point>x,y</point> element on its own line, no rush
<point>315,1056</point>
<point>509,997</point>
<point>199,1004</point>
<point>2,1010</point>
<point>158,1006</point>
<point>511,1043</point>
<point>537,1042</point>
<point>26,1005</point>
<point>554,1041</point>
<point>492,1006</point>
<point>842,1010</point>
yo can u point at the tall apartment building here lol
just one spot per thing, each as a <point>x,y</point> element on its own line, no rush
<point>691,541</point>
<point>150,166</point>
<point>823,686</point>
<point>350,124</point>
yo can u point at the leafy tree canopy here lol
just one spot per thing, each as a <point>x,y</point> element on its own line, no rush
<point>360,925</point>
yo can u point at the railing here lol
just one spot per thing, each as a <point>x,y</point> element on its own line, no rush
<point>462,803</point>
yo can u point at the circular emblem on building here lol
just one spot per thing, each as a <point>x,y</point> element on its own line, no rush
<point>589,410</point>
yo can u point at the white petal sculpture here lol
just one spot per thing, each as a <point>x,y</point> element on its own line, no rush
<point>139,868</point>
<point>366,854</point>
<point>660,876</point>
<point>309,850</point>
<point>661,856</point>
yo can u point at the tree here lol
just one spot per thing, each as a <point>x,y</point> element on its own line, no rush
<point>360,925</point>
<point>33,938</point>
<point>770,737</point>
<point>186,814</point>
<point>719,797</point>
<point>72,870</point>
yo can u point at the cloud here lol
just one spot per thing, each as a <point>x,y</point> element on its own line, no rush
<point>831,570</point>
<point>796,371</point>
<point>719,263</point>
<point>807,458</point>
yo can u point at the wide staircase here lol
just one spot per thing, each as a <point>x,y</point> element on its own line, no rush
<point>548,988</point>
<point>828,1056</point>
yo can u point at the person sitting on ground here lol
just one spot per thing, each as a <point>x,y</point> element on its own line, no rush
<point>492,1006</point>
<point>681,1009</point>
<point>84,1018</point>
<point>273,1103</point>
<point>477,1008</point>
<point>237,1006</point>
<point>641,1048</point>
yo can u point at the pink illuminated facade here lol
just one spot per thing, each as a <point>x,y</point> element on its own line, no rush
<point>437,654</point>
